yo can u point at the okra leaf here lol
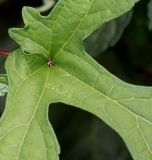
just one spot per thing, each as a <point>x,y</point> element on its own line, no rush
<point>52,66</point>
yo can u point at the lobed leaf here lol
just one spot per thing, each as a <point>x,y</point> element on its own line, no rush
<point>25,131</point>
<point>75,79</point>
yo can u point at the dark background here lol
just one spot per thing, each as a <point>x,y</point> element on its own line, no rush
<point>124,47</point>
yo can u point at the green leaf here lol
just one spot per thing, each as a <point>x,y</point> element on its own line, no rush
<point>83,19</point>
<point>25,131</point>
<point>74,79</point>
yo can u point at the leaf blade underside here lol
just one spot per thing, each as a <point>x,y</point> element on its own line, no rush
<point>76,79</point>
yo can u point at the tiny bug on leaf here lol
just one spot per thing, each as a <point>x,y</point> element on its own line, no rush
<point>50,63</point>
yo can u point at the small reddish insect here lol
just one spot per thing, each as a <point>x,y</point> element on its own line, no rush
<point>4,53</point>
<point>50,63</point>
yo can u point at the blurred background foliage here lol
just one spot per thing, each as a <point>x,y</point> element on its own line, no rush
<point>123,46</point>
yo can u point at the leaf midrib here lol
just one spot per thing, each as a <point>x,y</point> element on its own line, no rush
<point>12,106</point>
<point>112,100</point>
<point>18,87</point>
<point>140,130</point>
<point>36,107</point>
<point>42,47</point>
<point>79,24</point>
<point>109,98</point>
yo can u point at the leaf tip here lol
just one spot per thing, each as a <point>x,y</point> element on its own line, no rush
<point>28,14</point>
<point>12,32</point>
<point>26,9</point>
